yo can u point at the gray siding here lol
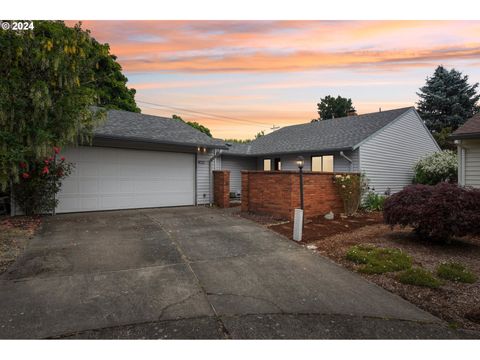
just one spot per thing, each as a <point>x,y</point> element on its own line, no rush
<point>340,164</point>
<point>236,164</point>
<point>203,179</point>
<point>472,163</point>
<point>387,157</point>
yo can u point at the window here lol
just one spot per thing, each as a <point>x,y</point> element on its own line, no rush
<point>277,164</point>
<point>267,164</point>
<point>322,163</point>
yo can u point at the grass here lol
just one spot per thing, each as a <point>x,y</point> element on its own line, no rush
<point>377,260</point>
<point>419,277</point>
<point>455,272</point>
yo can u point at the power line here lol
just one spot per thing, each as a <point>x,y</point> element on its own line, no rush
<point>202,113</point>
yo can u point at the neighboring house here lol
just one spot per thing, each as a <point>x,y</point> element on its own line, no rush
<point>139,161</point>
<point>467,138</point>
<point>383,145</point>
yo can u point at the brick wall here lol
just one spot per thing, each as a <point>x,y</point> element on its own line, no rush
<point>221,188</point>
<point>277,193</point>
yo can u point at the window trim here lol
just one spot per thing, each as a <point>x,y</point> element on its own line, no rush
<point>270,161</point>
<point>321,162</point>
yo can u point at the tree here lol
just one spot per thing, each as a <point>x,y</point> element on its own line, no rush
<point>331,107</point>
<point>194,124</point>
<point>48,85</point>
<point>259,134</point>
<point>238,141</point>
<point>438,167</point>
<point>447,101</point>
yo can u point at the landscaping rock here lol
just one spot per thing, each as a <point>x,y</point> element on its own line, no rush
<point>329,216</point>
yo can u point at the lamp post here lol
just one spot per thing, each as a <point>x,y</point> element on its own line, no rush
<point>300,163</point>
<point>298,216</point>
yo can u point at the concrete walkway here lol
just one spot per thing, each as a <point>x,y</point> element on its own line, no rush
<point>191,273</point>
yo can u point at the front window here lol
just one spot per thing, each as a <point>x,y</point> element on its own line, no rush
<point>277,164</point>
<point>322,163</point>
<point>267,165</point>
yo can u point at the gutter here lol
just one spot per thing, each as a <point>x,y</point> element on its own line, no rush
<point>347,158</point>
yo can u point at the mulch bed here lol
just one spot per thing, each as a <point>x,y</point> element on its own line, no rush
<point>456,303</point>
<point>14,235</point>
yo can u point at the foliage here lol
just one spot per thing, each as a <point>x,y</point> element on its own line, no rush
<point>351,188</point>
<point>455,272</point>
<point>194,124</point>
<point>330,107</point>
<point>376,260</point>
<point>47,87</point>
<point>237,141</point>
<point>435,212</point>
<point>40,182</point>
<point>419,277</point>
<point>443,139</point>
<point>260,134</point>
<point>447,100</point>
<point>373,201</point>
<point>436,168</point>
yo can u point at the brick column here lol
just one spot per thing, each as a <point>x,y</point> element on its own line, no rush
<point>245,194</point>
<point>221,188</point>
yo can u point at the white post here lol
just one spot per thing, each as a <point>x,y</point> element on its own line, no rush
<point>297,225</point>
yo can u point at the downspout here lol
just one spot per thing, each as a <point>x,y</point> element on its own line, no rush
<point>210,187</point>
<point>347,158</point>
<point>461,163</point>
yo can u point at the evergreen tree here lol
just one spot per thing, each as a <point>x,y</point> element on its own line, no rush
<point>447,101</point>
<point>194,124</point>
<point>330,107</point>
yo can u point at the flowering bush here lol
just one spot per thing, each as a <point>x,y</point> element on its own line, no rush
<point>436,168</point>
<point>39,183</point>
<point>435,212</point>
<point>351,188</point>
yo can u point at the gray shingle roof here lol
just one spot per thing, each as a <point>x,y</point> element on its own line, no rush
<point>142,127</point>
<point>327,135</point>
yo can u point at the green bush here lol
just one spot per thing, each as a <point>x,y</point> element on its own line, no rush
<point>455,272</point>
<point>419,277</point>
<point>436,168</point>
<point>376,260</point>
<point>373,201</point>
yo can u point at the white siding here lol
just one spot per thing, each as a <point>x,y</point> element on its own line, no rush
<point>387,157</point>
<point>203,181</point>
<point>236,164</point>
<point>472,162</point>
<point>340,164</point>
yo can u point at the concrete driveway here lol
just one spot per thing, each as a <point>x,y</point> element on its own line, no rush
<point>191,272</point>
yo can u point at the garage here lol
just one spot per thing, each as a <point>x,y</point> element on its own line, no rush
<point>112,178</point>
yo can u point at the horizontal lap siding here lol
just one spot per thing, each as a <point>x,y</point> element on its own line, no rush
<point>236,164</point>
<point>472,164</point>
<point>388,157</point>
<point>203,180</point>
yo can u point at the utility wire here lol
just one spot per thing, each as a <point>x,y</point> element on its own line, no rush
<point>203,113</point>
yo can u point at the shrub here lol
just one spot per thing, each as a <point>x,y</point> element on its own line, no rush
<point>436,168</point>
<point>39,182</point>
<point>373,201</point>
<point>435,212</point>
<point>419,277</point>
<point>376,260</point>
<point>455,272</point>
<point>351,188</point>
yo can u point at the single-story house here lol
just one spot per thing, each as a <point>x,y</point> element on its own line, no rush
<point>467,138</point>
<point>140,161</point>
<point>383,145</point>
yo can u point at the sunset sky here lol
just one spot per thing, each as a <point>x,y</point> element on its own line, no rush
<point>259,73</point>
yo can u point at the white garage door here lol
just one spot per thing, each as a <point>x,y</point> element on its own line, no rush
<point>108,179</point>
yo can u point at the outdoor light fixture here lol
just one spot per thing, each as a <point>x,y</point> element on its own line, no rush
<point>300,162</point>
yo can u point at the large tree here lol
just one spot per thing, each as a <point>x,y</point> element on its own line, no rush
<point>447,100</point>
<point>330,107</point>
<point>49,79</point>
<point>194,124</point>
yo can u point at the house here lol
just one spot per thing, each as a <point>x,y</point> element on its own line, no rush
<point>141,161</point>
<point>467,138</point>
<point>383,145</point>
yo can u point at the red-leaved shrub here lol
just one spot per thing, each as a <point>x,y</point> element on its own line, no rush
<point>435,212</point>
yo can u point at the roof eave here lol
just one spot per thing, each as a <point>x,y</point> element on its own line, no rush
<point>151,141</point>
<point>473,135</point>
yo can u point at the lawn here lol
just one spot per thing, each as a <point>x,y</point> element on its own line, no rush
<point>441,278</point>
<point>14,235</point>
